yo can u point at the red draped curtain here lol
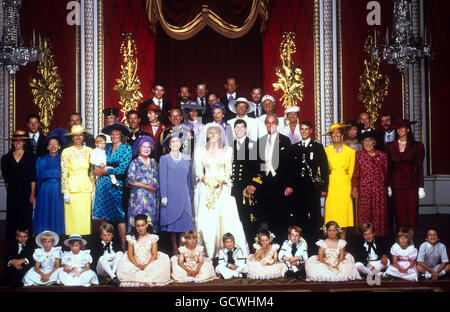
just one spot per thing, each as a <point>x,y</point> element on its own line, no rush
<point>208,56</point>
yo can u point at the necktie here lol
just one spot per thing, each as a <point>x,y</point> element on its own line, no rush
<point>107,247</point>
<point>230,257</point>
<point>33,141</point>
<point>231,98</point>
<point>270,141</point>
<point>159,104</point>
<point>294,249</point>
<point>203,102</point>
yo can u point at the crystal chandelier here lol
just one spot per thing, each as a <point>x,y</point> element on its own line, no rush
<point>403,48</point>
<point>13,53</point>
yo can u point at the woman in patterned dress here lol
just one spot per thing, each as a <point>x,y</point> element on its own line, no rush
<point>143,179</point>
<point>108,197</point>
<point>369,185</point>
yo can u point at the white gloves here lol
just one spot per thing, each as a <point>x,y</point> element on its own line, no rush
<point>389,191</point>
<point>67,198</point>
<point>164,201</point>
<point>421,193</point>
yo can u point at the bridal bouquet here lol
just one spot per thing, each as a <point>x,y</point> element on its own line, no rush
<point>214,185</point>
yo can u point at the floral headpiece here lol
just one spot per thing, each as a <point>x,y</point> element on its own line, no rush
<point>324,229</point>
<point>271,237</point>
<point>149,222</point>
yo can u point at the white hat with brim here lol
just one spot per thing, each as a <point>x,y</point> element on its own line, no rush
<point>250,105</point>
<point>55,238</point>
<point>75,237</point>
<point>293,109</point>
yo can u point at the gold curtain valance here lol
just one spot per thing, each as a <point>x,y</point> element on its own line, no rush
<point>207,17</point>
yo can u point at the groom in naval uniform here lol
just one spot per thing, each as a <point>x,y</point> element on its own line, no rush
<point>244,177</point>
<point>311,173</point>
<point>274,166</point>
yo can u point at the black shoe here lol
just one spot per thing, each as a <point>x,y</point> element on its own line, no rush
<point>300,275</point>
<point>421,277</point>
<point>289,274</point>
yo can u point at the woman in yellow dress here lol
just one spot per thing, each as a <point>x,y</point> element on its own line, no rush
<point>77,184</point>
<point>341,160</point>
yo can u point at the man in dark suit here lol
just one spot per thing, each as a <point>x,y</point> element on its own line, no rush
<point>231,95</point>
<point>244,176</point>
<point>275,162</point>
<point>184,95</point>
<point>256,93</point>
<point>159,90</point>
<point>75,119</point>
<point>36,144</point>
<point>364,126</point>
<point>201,97</point>
<point>213,98</point>
<point>134,121</point>
<point>20,258</point>
<point>311,174</point>
<point>389,132</point>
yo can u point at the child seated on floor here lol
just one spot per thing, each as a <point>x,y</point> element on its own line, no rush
<point>143,264</point>
<point>404,256</point>
<point>370,256</point>
<point>294,253</point>
<point>231,259</point>
<point>20,259</point>
<point>191,265</point>
<point>77,270</point>
<point>106,255</point>
<point>333,263</point>
<point>264,263</point>
<point>47,261</point>
<point>432,261</point>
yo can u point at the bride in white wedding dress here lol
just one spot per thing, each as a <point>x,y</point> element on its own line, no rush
<point>215,209</point>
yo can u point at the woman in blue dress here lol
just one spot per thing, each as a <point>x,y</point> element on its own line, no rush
<point>176,190</point>
<point>108,197</point>
<point>49,209</point>
<point>143,180</point>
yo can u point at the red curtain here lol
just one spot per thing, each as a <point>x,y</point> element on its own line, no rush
<point>438,16</point>
<point>181,12</point>
<point>209,57</point>
<point>47,17</point>
<point>354,33</point>
<point>297,16</point>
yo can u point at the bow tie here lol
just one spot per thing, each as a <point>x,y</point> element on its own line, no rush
<point>369,246</point>
<point>107,246</point>
<point>230,257</point>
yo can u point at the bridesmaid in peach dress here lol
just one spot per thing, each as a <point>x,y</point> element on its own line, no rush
<point>191,265</point>
<point>264,263</point>
<point>143,264</point>
<point>333,263</point>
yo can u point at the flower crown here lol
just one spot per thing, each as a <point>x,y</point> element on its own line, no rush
<point>271,237</point>
<point>324,229</point>
<point>149,222</point>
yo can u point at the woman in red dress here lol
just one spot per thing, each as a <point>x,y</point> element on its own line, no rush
<point>405,180</point>
<point>369,185</point>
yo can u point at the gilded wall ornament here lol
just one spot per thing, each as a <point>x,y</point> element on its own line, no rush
<point>47,89</point>
<point>373,85</point>
<point>290,79</point>
<point>129,84</point>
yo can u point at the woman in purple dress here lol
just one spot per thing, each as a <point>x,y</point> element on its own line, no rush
<point>143,180</point>
<point>176,190</point>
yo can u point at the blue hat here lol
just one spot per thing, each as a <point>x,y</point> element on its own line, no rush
<point>218,105</point>
<point>192,105</point>
<point>58,134</point>
<point>181,134</point>
<point>141,140</point>
<point>116,126</point>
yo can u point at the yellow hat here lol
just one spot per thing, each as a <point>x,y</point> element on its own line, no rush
<point>336,126</point>
<point>77,129</point>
